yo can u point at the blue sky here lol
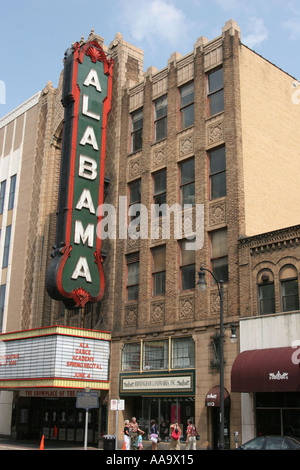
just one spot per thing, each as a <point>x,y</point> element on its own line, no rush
<point>35,34</point>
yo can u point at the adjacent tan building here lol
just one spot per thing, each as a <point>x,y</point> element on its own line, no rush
<point>216,129</point>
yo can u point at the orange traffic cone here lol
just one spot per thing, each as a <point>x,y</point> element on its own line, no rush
<point>42,443</point>
<point>124,446</point>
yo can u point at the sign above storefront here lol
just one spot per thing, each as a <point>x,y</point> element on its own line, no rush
<point>75,275</point>
<point>171,384</point>
<point>55,357</point>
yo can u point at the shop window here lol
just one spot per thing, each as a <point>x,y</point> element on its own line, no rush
<point>187,105</point>
<point>12,191</point>
<point>6,246</point>
<point>2,195</point>
<point>187,264</point>
<point>136,130</point>
<point>187,182</point>
<point>183,353</point>
<point>160,118</point>
<point>133,270</point>
<point>160,192</point>
<point>155,355</point>
<point>158,270</point>
<point>289,289</point>
<point>134,198</point>
<point>217,166</point>
<point>215,92</point>
<point>266,293</point>
<point>219,254</point>
<point>131,357</point>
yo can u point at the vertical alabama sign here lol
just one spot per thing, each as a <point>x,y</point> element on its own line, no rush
<point>75,274</point>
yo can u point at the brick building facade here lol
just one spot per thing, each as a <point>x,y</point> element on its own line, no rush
<point>205,131</point>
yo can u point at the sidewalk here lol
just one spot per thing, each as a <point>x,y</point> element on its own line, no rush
<point>9,444</point>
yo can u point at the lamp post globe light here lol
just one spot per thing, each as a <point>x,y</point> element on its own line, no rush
<point>201,285</point>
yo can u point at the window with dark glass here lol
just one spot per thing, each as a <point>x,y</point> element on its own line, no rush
<point>134,199</point>
<point>136,130</point>
<point>187,182</point>
<point>2,195</point>
<point>289,289</point>
<point>219,254</point>
<point>266,293</point>
<point>131,357</point>
<point>158,270</point>
<point>160,118</point>
<point>155,355</point>
<point>133,271</point>
<point>187,105</point>
<point>183,353</point>
<point>6,246</point>
<point>187,265</point>
<point>215,92</point>
<point>12,191</point>
<point>160,191</point>
<point>2,300</point>
<point>217,165</point>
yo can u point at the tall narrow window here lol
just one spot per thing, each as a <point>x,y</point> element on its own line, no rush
<point>187,265</point>
<point>215,92</point>
<point>6,246</point>
<point>136,130</point>
<point>160,118</point>
<point>217,165</point>
<point>134,199</point>
<point>2,195</point>
<point>2,300</point>
<point>133,270</point>
<point>219,254</point>
<point>266,293</point>
<point>12,191</point>
<point>289,289</point>
<point>187,105</point>
<point>187,182</point>
<point>158,270</point>
<point>159,191</point>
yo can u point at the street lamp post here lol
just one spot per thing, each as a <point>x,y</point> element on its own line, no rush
<point>202,285</point>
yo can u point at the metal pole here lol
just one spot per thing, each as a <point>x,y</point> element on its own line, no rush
<point>86,428</point>
<point>117,424</point>
<point>221,368</point>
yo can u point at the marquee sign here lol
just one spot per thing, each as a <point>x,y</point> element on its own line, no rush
<point>55,357</point>
<point>75,275</point>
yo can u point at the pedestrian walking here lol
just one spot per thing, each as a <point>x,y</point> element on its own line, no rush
<point>154,434</point>
<point>191,434</point>
<point>126,435</point>
<point>134,433</point>
<point>175,436</point>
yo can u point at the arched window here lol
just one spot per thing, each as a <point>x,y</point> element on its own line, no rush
<point>289,288</point>
<point>266,292</point>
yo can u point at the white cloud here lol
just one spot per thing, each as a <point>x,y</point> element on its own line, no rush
<point>155,21</point>
<point>257,32</point>
<point>293,26</point>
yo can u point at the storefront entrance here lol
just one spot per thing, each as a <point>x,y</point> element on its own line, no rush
<point>278,414</point>
<point>57,419</point>
<point>164,411</point>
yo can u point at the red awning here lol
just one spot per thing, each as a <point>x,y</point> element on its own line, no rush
<point>213,397</point>
<point>266,370</point>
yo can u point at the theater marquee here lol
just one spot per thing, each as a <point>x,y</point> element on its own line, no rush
<point>75,275</point>
<point>55,357</point>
